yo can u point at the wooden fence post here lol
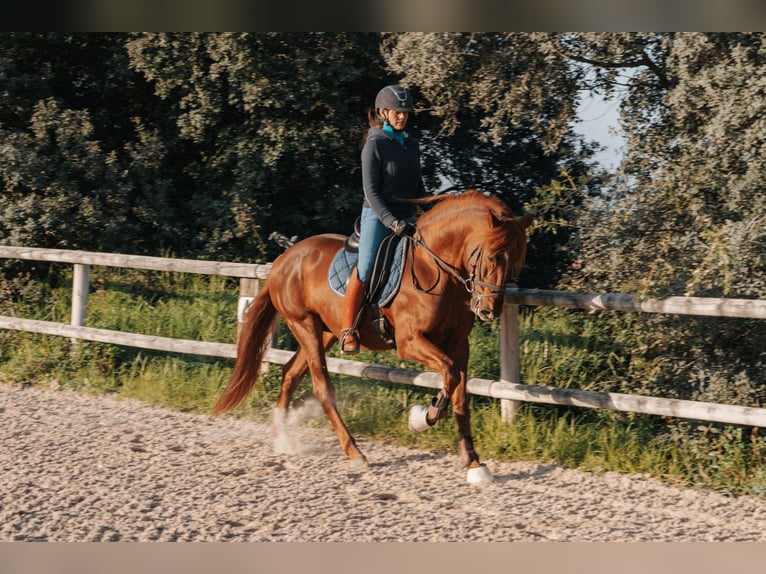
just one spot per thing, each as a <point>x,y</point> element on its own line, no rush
<point>80,290</point>
<point>248,289</point>
<point>510,362</point>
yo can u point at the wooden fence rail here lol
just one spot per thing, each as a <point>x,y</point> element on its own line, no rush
<point>222,268</point>
<point>702,306</point>
<point>508,389</point>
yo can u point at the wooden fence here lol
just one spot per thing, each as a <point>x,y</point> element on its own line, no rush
<point>509,389</point>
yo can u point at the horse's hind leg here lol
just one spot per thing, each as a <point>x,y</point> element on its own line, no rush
<point>292,374</point>
<point>314,343</point>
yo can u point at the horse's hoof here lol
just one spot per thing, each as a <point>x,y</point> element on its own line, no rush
<point>358,464</point>
<point>417,421</point>
<point>479,475</point>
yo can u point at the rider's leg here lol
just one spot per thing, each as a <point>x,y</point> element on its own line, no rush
<point>371,233</point>
<point>352,303</point>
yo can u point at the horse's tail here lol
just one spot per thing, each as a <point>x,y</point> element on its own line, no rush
<point>251,347</point>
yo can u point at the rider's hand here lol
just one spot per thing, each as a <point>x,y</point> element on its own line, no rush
<point>401,227</point>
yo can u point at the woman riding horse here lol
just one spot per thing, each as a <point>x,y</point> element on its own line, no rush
<point>466,247</point>
<point>390,173</point>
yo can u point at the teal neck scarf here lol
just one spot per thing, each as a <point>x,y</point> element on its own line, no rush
<point>391,132</point>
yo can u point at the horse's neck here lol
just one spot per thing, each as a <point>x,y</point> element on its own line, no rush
<point>449,241</point>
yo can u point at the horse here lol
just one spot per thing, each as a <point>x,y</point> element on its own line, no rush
<point>466,247</point>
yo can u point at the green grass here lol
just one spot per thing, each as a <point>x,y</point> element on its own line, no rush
<point>558,347</point>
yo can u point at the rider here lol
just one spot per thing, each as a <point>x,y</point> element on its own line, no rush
<point>390,173</point>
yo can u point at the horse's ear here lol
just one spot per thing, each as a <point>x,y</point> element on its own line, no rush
<point>526,220</point>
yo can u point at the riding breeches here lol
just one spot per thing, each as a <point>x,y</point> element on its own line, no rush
<point>371,233</point>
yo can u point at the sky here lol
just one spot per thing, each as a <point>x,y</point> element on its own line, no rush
<point>599,121</point>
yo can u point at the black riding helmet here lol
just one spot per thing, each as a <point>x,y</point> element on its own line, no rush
<point>394,98</point>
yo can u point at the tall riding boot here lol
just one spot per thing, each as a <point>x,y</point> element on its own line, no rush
<point>352,303</point>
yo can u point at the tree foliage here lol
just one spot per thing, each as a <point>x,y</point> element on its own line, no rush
<point>686,212</point>
<point>273,121</point>
<point>504,104</point>
<point>189,142</point>
<point>689,200</point>
<point>73,174</point>
<point>204,143</point>
<point>510,81</point>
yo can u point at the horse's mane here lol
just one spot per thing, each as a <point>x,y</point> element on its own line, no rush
<point>507,235</point>
<point>471,198</point>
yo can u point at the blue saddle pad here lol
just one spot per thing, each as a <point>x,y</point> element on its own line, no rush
<point>344,261</point>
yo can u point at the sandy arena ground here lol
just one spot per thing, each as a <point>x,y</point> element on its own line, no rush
<point>80,468</point>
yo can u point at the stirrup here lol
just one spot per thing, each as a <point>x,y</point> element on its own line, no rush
<point>353,347</point>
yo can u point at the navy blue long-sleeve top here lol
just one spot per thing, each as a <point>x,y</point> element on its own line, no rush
<point>391,172</point>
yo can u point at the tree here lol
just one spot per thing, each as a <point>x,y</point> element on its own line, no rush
<point>79,167</point>
<point>686,213</point>
<point>690,197</point>
<point>188,142</point>
<point>272,123</point>
<point>496,115</point>
<point>205,143</point>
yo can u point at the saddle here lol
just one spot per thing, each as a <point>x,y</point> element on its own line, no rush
<point>352,241</point>
<point>384,282</point>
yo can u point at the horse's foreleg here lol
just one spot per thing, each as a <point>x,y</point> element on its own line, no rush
<point>418,348</point>
<point>453,367</point>
<point>478,473</point>
<point>460,407</point>
<point>313,342</point>
<point>438,408</point>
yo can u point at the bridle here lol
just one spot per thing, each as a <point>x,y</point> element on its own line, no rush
<point>470,283</point>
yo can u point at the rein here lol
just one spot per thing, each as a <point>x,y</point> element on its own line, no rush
<point>470,283</point>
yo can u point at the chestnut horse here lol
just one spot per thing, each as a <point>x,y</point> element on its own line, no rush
<point>465,248</point>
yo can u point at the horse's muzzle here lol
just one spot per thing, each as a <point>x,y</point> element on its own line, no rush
<point>481,307</point>
<point>485,314</point>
